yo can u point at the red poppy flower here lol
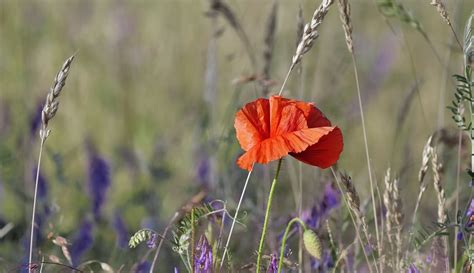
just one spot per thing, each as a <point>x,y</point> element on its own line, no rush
<point>269,129</point>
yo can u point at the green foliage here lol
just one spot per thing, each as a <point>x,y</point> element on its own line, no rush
<point>182,234</point>
<point>463,94</point>
<point>391,8</point>
<point>140,236</point>
<point>426,234</point>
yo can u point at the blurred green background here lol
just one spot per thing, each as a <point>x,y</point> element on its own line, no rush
<point>154,88</point>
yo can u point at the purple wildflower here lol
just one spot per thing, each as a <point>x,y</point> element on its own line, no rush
<point>331,199</point>
<point>413,269</point>
<point>203,256</point>
<point>175,270</point>
<point>151,243</point>
<point>99,181</point>
<point>273,267</point>
<point>469,214</point>
<point>120,231</point>
<point>459,236</point>
<point>325,263</point>
<point>82,242</point>
<point>143,267</point>
<point>203,170</point>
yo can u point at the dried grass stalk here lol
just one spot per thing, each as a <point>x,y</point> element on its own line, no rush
<point>394,217</point>
<point>269,44</point>
<point>437,170</point>
<point>353,200</point>
<point>345,15</point>
<point>52,99</point>
<point>469,42</point>
<point>441,10</point>
<point>440,245</point>
<point>427,152</point>
<point>310,32</point>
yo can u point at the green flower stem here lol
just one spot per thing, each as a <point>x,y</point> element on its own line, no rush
<point>285,236</point>
<point>469,80</point>
<point>267,216</point>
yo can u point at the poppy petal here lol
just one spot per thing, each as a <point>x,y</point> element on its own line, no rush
<point>325,152</point>
<point>264,152</point>
<point>252,123</point>
<point>285,117</point>
<point>314,117</point>
<point>280,146</point>
<point>299,141</point>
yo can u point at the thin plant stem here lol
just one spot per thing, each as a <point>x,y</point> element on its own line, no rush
<point>286,78</point>
<point>285,237</point>
<point>458,174</point>
<point>369,168</point>
<point>234,219</point>
<point>193,236</point>
<point>300,208</point>
<point>267,216</point>
<point>33,214</point>
<point>359,238</point>
<point>456,37</point>
<point>170,223</point>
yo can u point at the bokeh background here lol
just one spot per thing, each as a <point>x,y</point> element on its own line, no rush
<point>146,116</point>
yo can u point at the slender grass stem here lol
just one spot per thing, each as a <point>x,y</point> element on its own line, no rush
<point>300,210</point>
<point>157,253</point>
<point>33,213</point>
<point>285,237</point>
<point>458,174</point>
<point>369,167</point>
<point>193,238</point>
<point>235,219</point>
<point>356,226</point>
<point>267,216</point>
<point>286,78</point>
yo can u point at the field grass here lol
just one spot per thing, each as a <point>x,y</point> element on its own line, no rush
<point>153,91</point>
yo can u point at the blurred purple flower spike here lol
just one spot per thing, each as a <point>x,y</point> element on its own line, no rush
<point>81,242</point>
<point>203,256</point>
<point>99,181</point>
<point>413,269</point>
<point>273,267</point>
<point>120,231</point>
<point>151,243</point>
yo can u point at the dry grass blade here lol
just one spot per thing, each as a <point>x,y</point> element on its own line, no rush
<point>353,200</point>
<point>469,42</point>
<point>352,195</point>
<point>345,14</point>
<point>269,43</point>
<point>441,10</point>
<point>444,14</point>
<point>393,203</point>
<point>226,12</point>
<point>427,152</point>
<point>440,245</point>
<point>52,99</point>
<point>437,168</point>
<point>310,32</point>
<point>299,25</point>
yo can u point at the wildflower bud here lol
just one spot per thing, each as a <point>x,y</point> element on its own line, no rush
<point>312,243</point>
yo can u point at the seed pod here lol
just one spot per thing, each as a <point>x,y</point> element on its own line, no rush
<point>312,243</point>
